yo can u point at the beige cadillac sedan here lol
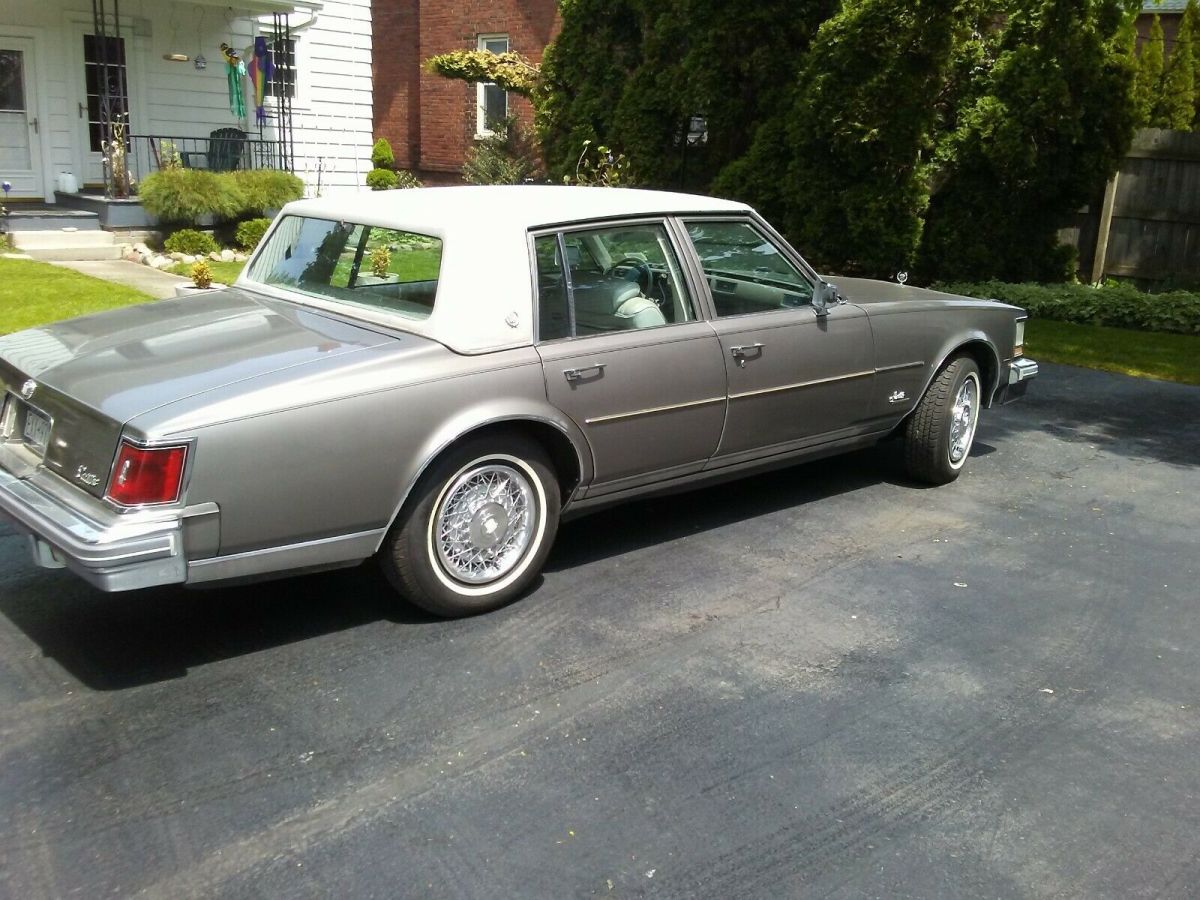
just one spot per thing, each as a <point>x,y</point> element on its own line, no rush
<point>435,378</point>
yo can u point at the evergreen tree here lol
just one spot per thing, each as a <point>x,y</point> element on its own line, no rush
<point>1191,24</point>
<point>1051,125</point>
<point>630,73</point>
<point>1149,78</point>
<point>857,185</point>
<point>1179,87</point>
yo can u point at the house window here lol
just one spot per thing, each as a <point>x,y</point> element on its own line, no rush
<point>107,84</point>
<point>283,57</point>
<point>491,101</point>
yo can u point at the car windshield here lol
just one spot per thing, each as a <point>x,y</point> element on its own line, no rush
<point>361,265</point>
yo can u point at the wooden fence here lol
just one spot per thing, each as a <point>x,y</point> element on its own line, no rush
<point>1146,228</point>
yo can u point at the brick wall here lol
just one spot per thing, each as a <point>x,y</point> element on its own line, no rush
<point>430,120</point>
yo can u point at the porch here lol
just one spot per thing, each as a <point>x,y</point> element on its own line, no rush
<point>95,95</point>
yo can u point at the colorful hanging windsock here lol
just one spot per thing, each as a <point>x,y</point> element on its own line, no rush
<point>235,72</point>
<point>261,70</point>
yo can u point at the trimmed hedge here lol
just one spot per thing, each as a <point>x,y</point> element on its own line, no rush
<point>186,195</point>
<point>1115,305</point>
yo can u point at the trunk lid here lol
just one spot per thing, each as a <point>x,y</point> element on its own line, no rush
<point>92,375</point>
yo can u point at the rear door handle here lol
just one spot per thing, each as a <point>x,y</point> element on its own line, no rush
<point>742,353</point>
<point>582,371</point>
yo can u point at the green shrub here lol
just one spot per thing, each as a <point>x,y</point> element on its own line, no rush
<point>381,179</point>
<point>382,156</point>
<point>1115,305</point>
<point>504,157</point>
<point>187,195</point>
<point>190,241</point>
<point>406,179</point>
<point>265,189</point>
<point>250,232</point>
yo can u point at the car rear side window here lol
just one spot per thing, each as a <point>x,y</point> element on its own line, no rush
<point>609,279</point>
<point>359,265</point>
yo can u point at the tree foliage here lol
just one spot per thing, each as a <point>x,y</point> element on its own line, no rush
<point>957,134</point>
<point>631,73</point>
<point>1177,105</point>
<point>511,71</point>
<point>856,185</point>
<point>1049,127</point>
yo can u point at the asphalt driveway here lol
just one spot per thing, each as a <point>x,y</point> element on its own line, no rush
<point>822,681</point>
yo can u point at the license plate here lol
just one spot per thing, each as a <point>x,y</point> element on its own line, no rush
<point>37,430</point>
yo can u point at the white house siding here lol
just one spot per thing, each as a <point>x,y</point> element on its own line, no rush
<point>331,111</point>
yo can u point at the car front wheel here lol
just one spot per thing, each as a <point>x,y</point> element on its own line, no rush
<point>939,433</point>
<point>477,529</point>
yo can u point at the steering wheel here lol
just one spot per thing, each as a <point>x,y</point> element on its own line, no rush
<point>645,277</point>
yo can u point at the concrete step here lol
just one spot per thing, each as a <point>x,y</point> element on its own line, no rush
<point>52,219</point>
<point>55,240</point>
<point>73,254</point>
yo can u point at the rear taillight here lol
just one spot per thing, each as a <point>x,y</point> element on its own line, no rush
<point>147,475</point>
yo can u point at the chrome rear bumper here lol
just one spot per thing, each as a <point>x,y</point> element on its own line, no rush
<point>120,555</point>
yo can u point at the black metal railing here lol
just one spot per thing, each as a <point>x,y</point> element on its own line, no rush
<point>225,150</point>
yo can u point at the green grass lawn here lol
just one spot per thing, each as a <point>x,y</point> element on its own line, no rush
<point>1146,354</point>
<point>34,293</point>
<point>222,272</point>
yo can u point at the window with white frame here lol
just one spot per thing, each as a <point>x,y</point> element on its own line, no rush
<point>283,57</point>
<point>491,100</point>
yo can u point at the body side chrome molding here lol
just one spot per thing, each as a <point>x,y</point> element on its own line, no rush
<point>615,417</point>
<point>897,368</point>
<point>802,384</point>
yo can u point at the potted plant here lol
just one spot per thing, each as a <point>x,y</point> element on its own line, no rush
<point>201,281</point>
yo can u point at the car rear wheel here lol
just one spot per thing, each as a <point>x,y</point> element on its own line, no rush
<point>478,527</point>
<point>939,433</point>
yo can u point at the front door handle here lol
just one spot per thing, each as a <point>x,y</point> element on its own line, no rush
<point>579,374</point>
<point>742,353</point>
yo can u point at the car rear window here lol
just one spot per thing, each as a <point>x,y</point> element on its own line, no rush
<point>359,265</point>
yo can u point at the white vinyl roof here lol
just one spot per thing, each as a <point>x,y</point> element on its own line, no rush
<point>485,289</point>
<point>522,207</point>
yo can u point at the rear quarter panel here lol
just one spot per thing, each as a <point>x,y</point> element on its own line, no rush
<point>342,454</point>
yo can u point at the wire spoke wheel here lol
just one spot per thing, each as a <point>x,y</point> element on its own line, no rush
<point>483,526</point>
<point>963,419</point>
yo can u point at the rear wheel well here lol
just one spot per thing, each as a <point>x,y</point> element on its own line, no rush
<point>558,447</point>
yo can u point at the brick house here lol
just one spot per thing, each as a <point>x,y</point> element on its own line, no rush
<point>432,121</point>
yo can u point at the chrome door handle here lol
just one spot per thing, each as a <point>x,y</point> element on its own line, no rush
<point>741,353</point>
<point>578,374</point>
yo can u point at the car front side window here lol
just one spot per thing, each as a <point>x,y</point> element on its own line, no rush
<point>745,270</point>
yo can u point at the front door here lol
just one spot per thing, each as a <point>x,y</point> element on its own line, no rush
<point>795,378</point>
<point>625,354</point>
<point>20,126</point>
<point>105,73</point>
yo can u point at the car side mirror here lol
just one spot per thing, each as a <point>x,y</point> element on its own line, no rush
<point>826,296</point>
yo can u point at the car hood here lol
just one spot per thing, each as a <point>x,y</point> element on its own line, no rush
<point>126,362</point>
<point>865,291</point>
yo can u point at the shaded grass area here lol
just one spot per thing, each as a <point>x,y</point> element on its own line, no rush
<point>222,272</point>
<point>35,293</point>
<point>1170,357</point>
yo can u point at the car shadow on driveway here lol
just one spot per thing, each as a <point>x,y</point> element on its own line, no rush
<point>115,641</point>
<point>110,642</point>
